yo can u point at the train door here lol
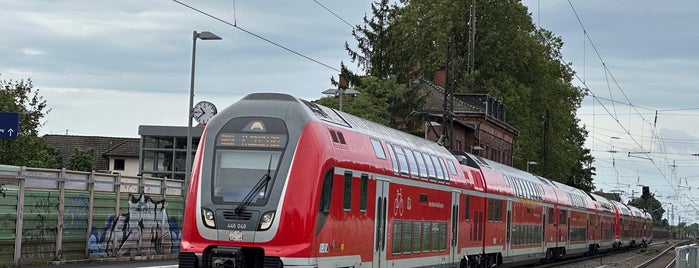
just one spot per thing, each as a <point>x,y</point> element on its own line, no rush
<point>454,227</point>
<point>508,228</point>
<point>380,220</point>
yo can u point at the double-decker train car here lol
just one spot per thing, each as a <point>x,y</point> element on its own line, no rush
<point>282,182</point>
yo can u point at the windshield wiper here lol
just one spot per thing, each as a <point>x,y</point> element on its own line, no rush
<point>256,189</point>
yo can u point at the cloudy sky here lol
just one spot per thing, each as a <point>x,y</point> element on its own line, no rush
<point>106,67</point>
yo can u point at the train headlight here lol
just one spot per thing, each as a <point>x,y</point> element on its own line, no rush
<point>208,217</point>
<point>266,220</point>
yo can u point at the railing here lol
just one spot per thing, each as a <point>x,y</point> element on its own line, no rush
<point>57,215</point>
<point>686,256</point>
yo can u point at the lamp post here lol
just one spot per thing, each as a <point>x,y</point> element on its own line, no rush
<point>339,92</point>
<point>476,148</point>
<point>188,164</point>
<point>529,163</point>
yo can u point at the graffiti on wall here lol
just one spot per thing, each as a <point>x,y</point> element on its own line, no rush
<point>144,230</point>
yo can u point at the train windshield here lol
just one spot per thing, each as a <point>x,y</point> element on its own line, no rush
<point>239,171</point>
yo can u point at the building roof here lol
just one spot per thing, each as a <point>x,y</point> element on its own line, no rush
<point>103,147</point>
<point>464,104</point>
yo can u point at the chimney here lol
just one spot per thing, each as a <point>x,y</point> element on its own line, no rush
<point>343,82</point>
<point>440,77</point>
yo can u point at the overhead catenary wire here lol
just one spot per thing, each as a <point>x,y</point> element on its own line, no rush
<point>612,114</point>
<point>334,14</point>
<point>234,25</point>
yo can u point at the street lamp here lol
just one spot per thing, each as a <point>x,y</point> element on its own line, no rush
<point>339,92</point>
<point>188,165</point>
<point>529,163</point>
<point>476,148</point>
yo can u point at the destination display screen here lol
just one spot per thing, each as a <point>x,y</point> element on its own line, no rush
<point>252,140</point>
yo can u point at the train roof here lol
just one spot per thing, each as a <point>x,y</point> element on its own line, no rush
<point>621,208</point>
<point>578,198</point>
<point>373,129</point>
<point>604,203</point>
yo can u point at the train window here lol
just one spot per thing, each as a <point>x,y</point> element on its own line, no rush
<point>411,163</point>
<point>431,171</point>
<point>326,191</point>
<point>515,185</point>
<point>444,168</point>
<point>407,236</point>
<point>550,215</point>
<point>394,161</point>
<point>435,237</point>
<point>378,149</point>
<point>402,161</point>
<point>364,193</point>
<point>421,165</point>
<point>397,236</point>
<point>417,234</point>
<point>442,236</point>
<point>347,192</point>
<point>467,209</point>
<point>238,171</point>
<point>426,236</point>
<point>438,168</point>
<point>563,217</point>
<point>452,168</point>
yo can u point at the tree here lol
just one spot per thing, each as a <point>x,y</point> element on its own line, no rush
<point>650,205</point>
<point>28,149</point>
<point>513,61</point>
<point>81,160</point>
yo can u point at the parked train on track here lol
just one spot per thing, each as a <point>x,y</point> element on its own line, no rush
<point>283,182</point>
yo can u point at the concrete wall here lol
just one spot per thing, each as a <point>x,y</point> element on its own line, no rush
<point>56,215</point>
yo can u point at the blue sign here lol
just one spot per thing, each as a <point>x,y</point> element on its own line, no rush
<point>9,125</point>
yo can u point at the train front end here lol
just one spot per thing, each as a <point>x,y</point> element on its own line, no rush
<point>235,213</point>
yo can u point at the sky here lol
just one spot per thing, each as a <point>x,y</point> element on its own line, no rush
<point>106,67</point>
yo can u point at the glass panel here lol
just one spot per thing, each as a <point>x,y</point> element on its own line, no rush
<point>181,143</point>
<point>393,158</point>
<point>180,160</point>
<point>421,164</point>
<point>148,160</point>
<point>407,236</point>
<point>397,238</point>
<point>150,142</point>
<point>237,172</point>
<point>430,167</point>
<point>442,235</point>
<point>402,161</point>
<point>435,236</point>
<point>417,235</point>
<point>364,193</point>
<point>347,197</point>
<point>438,168</point>
<point>412,163</point>
<point>163,161</point>
<point>426,237</point>
<point>378,149</point>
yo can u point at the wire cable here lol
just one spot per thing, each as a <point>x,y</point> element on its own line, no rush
<point>335,14</point>
<point>255,35</point>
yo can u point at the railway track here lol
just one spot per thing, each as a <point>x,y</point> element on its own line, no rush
<point>656,255</point>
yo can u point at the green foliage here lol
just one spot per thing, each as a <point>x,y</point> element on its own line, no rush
<point>650,205</point>
<point>81,160</point>
<point>384,101</point>
<point>513,61</point>
<point>28,149</point>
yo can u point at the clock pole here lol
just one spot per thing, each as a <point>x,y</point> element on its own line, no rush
<point>188,159</point>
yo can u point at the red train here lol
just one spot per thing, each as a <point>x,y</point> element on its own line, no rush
<point>282,182</point>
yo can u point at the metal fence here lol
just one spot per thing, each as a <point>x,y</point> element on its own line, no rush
<point>58,215</point>
<point>686,256</point>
